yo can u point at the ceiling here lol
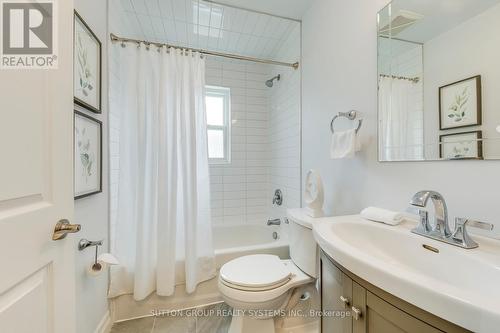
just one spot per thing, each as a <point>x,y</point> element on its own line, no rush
<point>288,8</point>
<point>204,25</point>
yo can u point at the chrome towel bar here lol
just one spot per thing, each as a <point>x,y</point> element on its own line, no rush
<point>351,115</point>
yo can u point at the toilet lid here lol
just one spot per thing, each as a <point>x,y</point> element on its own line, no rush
<point>255,271</point>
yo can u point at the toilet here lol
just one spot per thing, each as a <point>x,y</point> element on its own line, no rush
<point>259,287</point>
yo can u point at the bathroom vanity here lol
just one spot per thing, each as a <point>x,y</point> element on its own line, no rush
<point>390,279</point>
<point>368,308</point>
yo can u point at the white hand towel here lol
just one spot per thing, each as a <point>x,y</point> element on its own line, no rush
<point>344,144</point>
<point>382,215</point>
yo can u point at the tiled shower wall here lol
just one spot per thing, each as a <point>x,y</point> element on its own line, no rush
<point>117,24</point>
<point>239,188</point>
<point>266,139</point>
<point>284,129</point>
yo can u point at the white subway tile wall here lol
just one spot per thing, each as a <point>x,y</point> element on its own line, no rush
<point>239,188</point>
<point>118,23</point>
<point>265,138</point>
<point>284,129</point>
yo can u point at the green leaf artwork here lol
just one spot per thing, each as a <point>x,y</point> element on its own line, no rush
<point>87,157</point>
<point>458,110</point>
<point>84,71</point>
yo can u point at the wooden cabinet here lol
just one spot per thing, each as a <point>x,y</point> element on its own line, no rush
<point>352,305</point>
<point>336,299</point>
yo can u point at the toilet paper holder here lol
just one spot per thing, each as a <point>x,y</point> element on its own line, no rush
<point>96,267</point>
<point>85,243</point>
<point>100,262</point>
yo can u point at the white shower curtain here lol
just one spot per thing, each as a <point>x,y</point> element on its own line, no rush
<point>162,234</point>
<point>400,125</point>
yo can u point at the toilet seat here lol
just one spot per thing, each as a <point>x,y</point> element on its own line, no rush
<point>257,272</point>
<point>261,287</point>
<point>252,294</point>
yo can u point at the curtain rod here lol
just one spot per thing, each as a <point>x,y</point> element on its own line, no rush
<point>115,38</point>
<point>413,79</point>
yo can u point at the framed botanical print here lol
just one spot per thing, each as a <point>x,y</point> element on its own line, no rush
<point>460,104</point>
<point>87,155</point>
<point>86,66</point>
<point>466,145</point>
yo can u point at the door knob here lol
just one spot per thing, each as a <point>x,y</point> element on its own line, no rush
<point>63,227</point>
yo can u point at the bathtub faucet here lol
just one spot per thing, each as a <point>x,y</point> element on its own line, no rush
<point>274,222</point>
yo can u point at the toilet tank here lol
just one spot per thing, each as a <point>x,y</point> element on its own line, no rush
<point>303,249</point>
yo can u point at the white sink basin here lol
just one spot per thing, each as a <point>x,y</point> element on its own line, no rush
<point>459,285</point>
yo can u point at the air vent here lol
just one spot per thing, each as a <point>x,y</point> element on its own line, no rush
<point>402,21</point>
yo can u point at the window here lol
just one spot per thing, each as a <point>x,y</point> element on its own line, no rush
<point>217,103</point>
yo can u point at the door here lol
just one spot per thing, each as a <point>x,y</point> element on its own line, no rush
<point>37,274</point>
<point>336,298</point>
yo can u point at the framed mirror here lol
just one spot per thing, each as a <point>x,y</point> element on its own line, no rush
<point>439,80</point>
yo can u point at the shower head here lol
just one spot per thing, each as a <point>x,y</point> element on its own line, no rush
<point>270,82</point>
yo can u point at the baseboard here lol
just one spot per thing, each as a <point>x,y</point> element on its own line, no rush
<point>105,324</point>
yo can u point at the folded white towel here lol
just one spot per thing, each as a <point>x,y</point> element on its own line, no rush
<point>344,144</point>
<point>382,215</point>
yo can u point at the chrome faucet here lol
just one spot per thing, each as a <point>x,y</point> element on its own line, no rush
<point>441,226</point>
<point>274,222</point>
<point>440,230</point>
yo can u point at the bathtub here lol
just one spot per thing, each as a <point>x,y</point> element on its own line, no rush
<point>230,242</point>
<point>239,240</point>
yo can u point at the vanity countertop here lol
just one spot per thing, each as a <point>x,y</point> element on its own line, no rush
<point>459,285</point>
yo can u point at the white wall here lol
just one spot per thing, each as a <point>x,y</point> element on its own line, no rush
<point>92,212</point>
<point>470,49</point>
<point>339,68</point>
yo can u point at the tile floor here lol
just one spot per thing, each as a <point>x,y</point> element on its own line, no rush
<point>178,324</point>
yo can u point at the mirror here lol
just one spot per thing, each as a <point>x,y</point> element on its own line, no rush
<point>439,80</point>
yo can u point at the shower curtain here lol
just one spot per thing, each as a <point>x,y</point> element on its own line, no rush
<point>401,120</point>
<point>162,235</point>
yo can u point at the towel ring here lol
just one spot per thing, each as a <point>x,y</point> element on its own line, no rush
<point>351,115</point>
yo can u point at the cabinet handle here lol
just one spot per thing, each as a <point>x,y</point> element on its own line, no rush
<point>344,300</point>
<point>356,313</point>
